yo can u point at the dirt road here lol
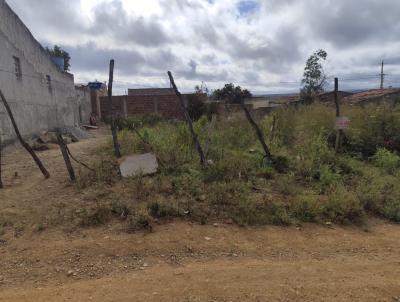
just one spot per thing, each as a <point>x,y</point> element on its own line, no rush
<point>182,261</point>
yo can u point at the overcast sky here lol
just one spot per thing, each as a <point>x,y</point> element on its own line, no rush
<point>259,44</point>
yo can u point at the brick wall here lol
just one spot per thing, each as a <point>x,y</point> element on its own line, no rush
<point>225,110</point>
<point>167,106</point>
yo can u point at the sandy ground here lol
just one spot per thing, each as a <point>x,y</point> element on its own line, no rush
<point>181,261</point>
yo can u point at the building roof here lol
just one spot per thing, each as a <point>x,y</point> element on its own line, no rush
<point>151,91</point>
<point>369,95</point>
<point>333,92</point>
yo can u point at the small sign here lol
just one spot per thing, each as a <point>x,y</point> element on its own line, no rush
<point>342,123</point>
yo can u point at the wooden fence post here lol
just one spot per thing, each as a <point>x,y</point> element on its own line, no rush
<point>1,147</point>
<point>196,141</point>
<point>258,130</point>
<point>64,153</point>
<point>117,150</point>
<point>23,143</point>
<point>339,133</point>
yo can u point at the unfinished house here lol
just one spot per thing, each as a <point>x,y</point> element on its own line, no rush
<point>162,101</point>
<point>41,95</point>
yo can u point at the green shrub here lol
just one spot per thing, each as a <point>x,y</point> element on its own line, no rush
<point>343,206</point>
<point>328,179</point>
<point>196,106</point>
<point>380,195</point>
<point>233,165</point>
<point>106,171</point>
<point>139,121</point>
<point>95,217</point>
<point>387,160</point>
<point>139,221</point>
<point>120,209</point>
<point>159,209</point>
<point>294,125</point>
<point>305,208</point>
<point>224,196</point>
<point>373,127</point>
<point>286,185</point>
<point>260,212</point>
<point>267,172</point>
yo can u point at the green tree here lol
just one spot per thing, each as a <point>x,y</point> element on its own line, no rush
<point>314,78</point>
<point>57,51</point>
<point>202,88</point>
<point>231,94</point>
<point>196,102</point>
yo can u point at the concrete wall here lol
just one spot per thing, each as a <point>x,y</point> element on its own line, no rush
<point>83,104</point>
<point>37,106</point>
<point>95,95</point>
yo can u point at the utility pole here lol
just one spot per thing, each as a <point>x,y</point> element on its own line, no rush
<point>382,75</point>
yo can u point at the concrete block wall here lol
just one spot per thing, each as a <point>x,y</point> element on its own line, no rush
<point>83,104</point>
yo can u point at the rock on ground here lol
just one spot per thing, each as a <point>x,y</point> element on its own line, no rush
<point>139,164</point>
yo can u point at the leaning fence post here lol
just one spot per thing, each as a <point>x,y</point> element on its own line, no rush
<point>64,153</point>
<point>258,130</point>
<point>117,150</point>
<point>337,104</point>
<point>1,147</point>
<point>23,143</point>
<point>196,141</point>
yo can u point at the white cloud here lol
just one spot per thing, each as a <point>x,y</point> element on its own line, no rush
<point>262,47</point>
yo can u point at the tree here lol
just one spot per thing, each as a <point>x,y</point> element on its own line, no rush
<point>231,94</point>
<point>202,88</point>
<point>314,76</point>
<point>196,104</point>
<point>57,51</point>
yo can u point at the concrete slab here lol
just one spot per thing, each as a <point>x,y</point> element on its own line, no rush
<point>139,164</point>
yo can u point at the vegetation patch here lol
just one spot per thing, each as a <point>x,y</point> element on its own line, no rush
<point>307,181</point>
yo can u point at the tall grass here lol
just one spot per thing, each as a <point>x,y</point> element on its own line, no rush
<point>315,185</point>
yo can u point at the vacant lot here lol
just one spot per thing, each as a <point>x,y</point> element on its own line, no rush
<point>46,260</point>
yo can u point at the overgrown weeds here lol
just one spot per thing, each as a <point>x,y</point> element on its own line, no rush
<point>306,182</point>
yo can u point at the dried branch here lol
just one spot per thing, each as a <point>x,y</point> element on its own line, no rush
<point>79,162</point>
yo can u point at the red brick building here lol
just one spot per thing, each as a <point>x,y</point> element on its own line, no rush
<point>143,101</point>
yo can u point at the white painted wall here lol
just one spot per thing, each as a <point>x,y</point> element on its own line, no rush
<point>35,107</point>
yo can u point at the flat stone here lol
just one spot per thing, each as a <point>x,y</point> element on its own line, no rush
<point>144,164</point>
<point>47,137</point>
